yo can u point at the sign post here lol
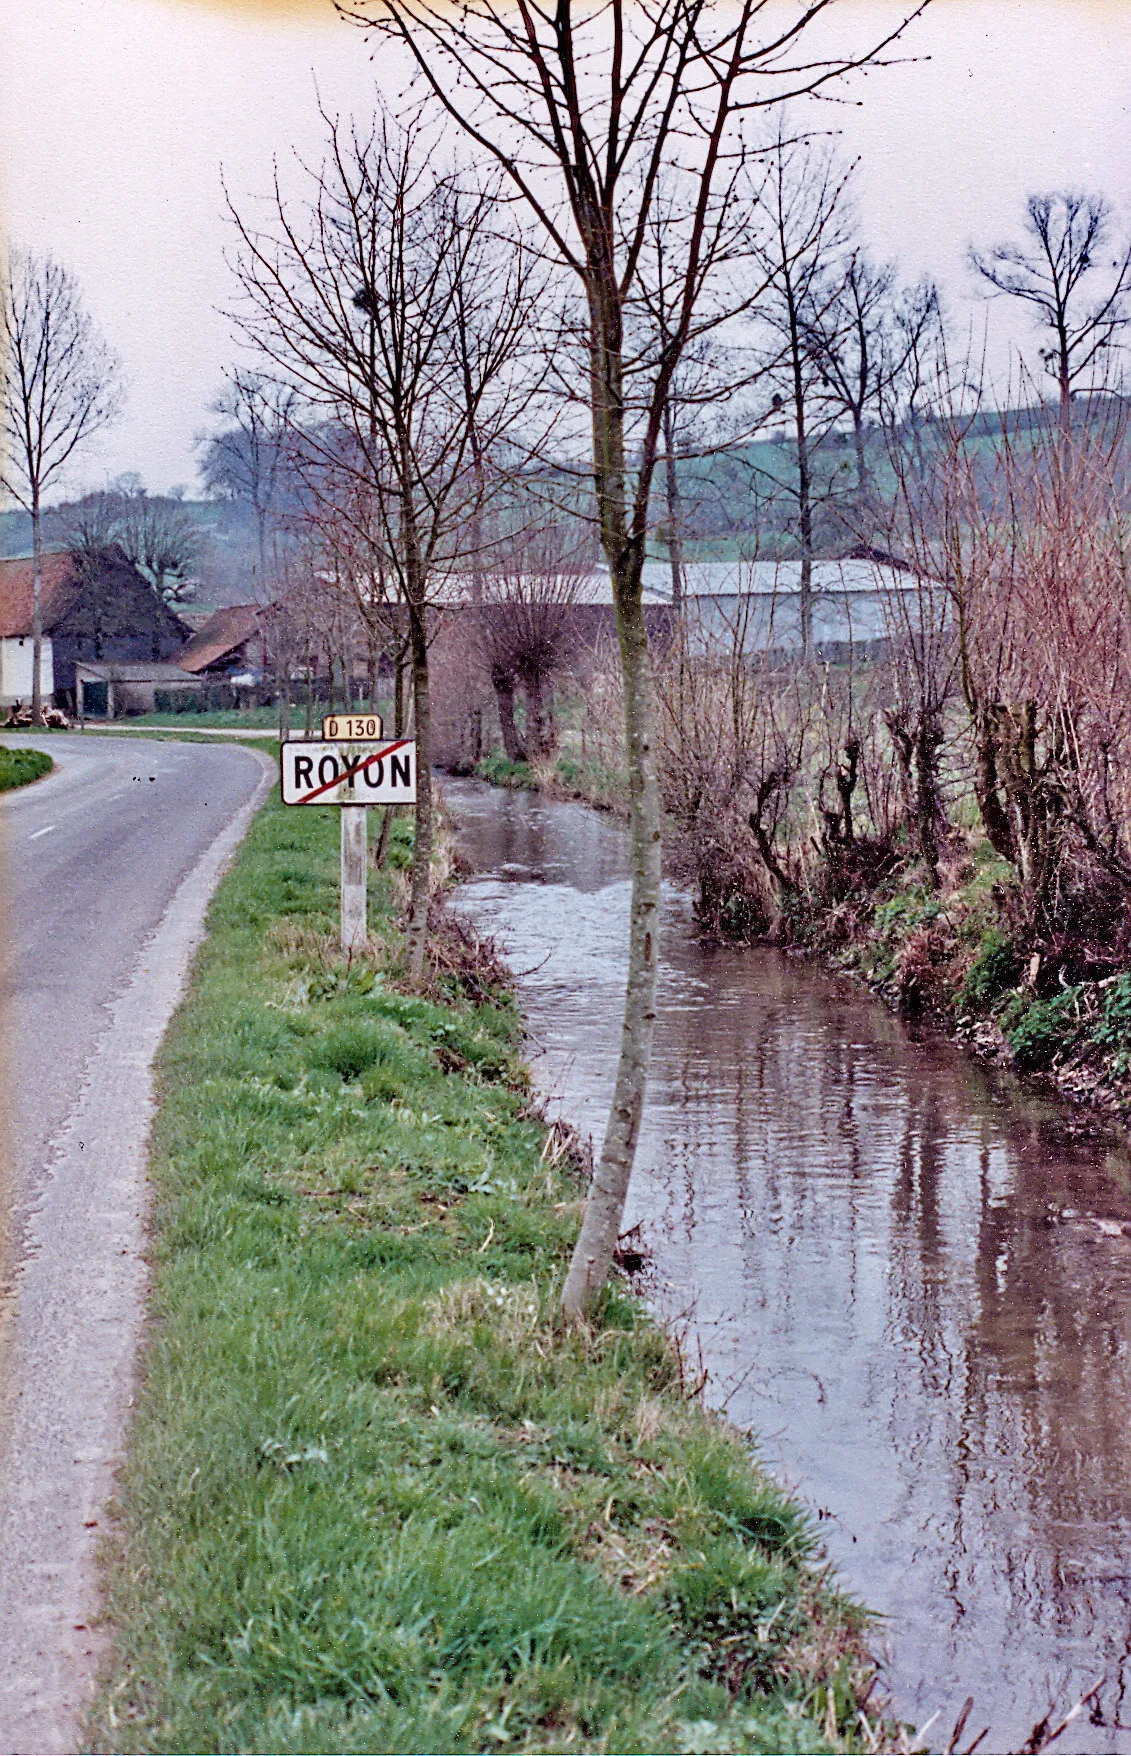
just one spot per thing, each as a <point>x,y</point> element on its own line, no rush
<point>351,775</point>
<point>354,848</point>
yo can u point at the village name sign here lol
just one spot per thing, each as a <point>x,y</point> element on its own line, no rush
<point>350,766</point>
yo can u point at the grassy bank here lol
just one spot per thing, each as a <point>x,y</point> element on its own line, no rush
<point>569,777</point>
<point>376,1499</point>
<point>18,767</point>
<point>962,955</point>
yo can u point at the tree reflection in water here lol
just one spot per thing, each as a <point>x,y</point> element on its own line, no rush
<point>862,1221</point>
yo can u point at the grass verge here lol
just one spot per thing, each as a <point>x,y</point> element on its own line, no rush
<point>18,767</point>
<point>376,1499</point>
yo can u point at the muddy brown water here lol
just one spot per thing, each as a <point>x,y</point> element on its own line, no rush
<point>860,1228</point>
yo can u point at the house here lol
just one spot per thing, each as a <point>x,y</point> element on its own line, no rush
<point>230,645</point>
<point>96,609</point>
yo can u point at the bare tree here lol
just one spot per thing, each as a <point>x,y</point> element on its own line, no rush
<point>59,385</point>
<point>524,630</point>
<point>801,229</point>
<point>247,461</point>
<point>162,541</point>
<point>584,111</point>
<point>390,302</point>
<point>1067,245</point>
<point>865,339</point>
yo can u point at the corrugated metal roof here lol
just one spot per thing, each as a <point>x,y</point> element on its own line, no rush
<point>720,579</point>
<point>127,671</point>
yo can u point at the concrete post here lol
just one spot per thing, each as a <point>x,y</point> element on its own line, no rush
<point>354,925</point>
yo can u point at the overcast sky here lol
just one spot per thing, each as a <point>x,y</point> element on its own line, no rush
<point>116,117</point>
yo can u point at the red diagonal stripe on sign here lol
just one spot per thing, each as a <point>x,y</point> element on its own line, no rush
<point>340,779</point>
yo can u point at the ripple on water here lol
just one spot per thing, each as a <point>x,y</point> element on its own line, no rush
<point>865,1226</point>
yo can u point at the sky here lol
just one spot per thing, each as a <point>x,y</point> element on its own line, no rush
<point>119,117</point>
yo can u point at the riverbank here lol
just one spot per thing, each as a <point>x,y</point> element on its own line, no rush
<point>958,953</point>
<point>376,1498</point>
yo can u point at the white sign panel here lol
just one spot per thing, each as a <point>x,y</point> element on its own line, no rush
<point>349,774</point>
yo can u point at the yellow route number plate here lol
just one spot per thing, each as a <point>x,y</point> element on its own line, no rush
<point>342,727</point>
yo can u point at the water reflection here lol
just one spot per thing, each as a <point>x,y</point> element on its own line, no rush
<point>863,1226</point>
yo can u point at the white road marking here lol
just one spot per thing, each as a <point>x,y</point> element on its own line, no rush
<point>40,832</point>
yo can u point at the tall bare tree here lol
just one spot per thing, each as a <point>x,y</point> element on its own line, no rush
<point>865,339</point>
<point>163,542</point>
<point>584,109</point>
<point>1068,244</point>
<point>801,226</point>
<point>389,301</point>
<point>247,460</point>
<point>59,385</point>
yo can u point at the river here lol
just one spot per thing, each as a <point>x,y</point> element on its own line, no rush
<point>891,1262</point>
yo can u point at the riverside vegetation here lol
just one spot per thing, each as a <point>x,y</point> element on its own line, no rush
<point>948,816</point>
<point>377,1497</point>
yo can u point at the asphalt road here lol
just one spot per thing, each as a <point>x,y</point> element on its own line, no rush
<point>93,855</point>
<point>106,868</point>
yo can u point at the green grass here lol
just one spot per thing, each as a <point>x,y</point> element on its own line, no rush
<point>377,1499</point>
<point>226,719</point>
<point>18,767</point>
<point>223,719</point>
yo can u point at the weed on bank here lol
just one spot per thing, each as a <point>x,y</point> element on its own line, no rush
<point>377,1499</point>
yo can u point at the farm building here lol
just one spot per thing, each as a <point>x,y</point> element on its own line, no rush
<point>857,603</point>
<point>228,646</point>
<point>98,609</point>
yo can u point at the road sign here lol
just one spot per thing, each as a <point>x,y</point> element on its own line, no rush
<point>349,727</point>
<point>349,774</point>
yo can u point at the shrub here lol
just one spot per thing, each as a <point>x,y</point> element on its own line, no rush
<point>1037,1032</point>
<point>994,970</point>
<point>1113,1032</point>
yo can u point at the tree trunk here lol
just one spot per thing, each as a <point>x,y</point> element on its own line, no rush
<point>421,877</point>
<point>1064,380</point>
<point>604,1205</point>
<point>675,509</point>
<point>283,673</point>
<point>398,693</point>
<point>36,613</point>
<point>995,818</point>
<point>862,483</point>
<point>374,680</point>
<point>804,489</point>
<point>928,797</point>
<point>382,847</point>
<point>539,718</point>
<point>503,684</point>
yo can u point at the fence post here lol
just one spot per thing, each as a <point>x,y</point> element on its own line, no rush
<point>354,926</point>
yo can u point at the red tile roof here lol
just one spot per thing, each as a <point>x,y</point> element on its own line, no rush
<point>221,635</point>
<point>60,585</point>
